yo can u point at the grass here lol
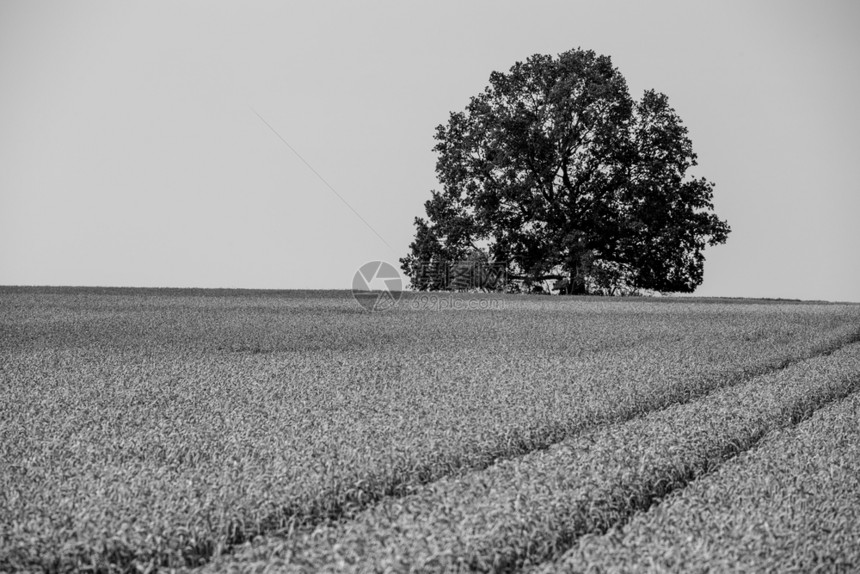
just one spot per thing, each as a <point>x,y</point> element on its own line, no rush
<point>147,429</point>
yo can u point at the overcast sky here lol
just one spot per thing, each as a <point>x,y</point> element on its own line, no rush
<point>131,152</point>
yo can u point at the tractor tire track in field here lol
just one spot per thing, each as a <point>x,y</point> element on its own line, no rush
<point>526,510</point>
<point>652,494</point>
<point>788,504</point>
<point>340,505</point>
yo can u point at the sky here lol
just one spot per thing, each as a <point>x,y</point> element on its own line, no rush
<point>135,147</point>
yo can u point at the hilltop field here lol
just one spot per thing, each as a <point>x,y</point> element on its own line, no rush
<point>148,430</point>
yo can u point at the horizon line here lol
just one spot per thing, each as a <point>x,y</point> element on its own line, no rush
<point>675,296</point>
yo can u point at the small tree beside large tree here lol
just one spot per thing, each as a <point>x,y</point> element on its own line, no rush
<point>556,173</point>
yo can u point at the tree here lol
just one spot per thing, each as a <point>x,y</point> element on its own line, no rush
<point>553,169</point>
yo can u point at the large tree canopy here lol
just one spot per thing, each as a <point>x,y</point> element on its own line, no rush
<point>555,172</point>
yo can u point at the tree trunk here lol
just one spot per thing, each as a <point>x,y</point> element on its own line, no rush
<point>577,276</point>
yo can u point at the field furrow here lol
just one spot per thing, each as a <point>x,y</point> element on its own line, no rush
<point>792,504</point>
<point>526,510</point>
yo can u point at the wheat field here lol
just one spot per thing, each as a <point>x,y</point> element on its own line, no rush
<point>155,430</point>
